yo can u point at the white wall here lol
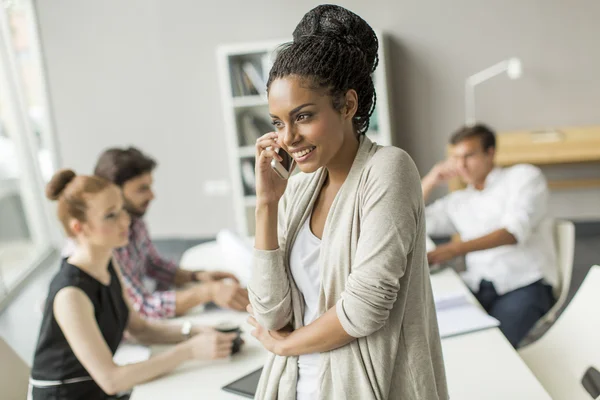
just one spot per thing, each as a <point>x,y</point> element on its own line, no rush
<point>143,72</point>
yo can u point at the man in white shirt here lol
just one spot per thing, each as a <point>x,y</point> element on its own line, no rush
<point>505,235</point>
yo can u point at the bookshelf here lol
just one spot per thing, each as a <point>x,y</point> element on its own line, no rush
<point>243,72</point>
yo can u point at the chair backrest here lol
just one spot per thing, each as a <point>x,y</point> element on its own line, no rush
<point>564,242</point>
<point>561,357</point>
<point>564,238</point>
<point>14,374</point>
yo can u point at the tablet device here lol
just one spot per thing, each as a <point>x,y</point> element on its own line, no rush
<point>246,385</point>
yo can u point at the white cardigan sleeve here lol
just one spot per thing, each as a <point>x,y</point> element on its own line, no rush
<point>391,208</point>
<point>269,287</point>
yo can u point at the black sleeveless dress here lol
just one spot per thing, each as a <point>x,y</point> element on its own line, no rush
<point>56,373</point>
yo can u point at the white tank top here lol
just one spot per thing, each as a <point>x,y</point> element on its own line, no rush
<point>305,270</point>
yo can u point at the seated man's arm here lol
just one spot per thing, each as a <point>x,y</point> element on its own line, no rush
<point>173,303</point>
<point>437,218</point>
<point>168,273</point>
<point>158,304</point>
<point>528,203</point>
<point>446,252</point>
<point>164,271</point>
<point>442,172</point>
<point>161,304</point>
<point>525,209</point>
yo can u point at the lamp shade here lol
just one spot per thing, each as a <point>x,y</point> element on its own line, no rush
<point>514,69</point>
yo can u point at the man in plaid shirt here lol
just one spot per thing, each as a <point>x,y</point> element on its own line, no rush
<point>155,285</point>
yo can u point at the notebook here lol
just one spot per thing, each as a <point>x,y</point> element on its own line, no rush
<point>457,315</point>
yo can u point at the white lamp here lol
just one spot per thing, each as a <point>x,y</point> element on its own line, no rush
<point>513,69</point>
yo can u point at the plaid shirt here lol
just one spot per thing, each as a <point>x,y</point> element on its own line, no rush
<point>139,261</point>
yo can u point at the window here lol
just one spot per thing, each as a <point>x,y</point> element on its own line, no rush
<point>27,152</point>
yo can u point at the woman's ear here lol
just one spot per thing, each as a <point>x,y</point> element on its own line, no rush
<point>351,104</point>
<point>75,226</point>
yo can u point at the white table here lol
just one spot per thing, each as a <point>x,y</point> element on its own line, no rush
<point>479,365</point>
<point>199,380</point>
<point>483,365</point>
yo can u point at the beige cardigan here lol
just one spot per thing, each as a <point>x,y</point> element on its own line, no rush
<point>373,270</point>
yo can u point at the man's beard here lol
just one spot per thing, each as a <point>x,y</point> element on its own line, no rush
<point>134,211</point>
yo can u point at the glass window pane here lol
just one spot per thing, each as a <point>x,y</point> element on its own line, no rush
<point>24,227</point>
<point>25,47</point>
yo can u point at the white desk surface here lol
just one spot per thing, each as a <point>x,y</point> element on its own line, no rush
<point>203,380</point>
<point>479,365</point>
<point>483,365</point>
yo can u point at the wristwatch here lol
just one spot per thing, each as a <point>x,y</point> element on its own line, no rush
<point>186,329</point>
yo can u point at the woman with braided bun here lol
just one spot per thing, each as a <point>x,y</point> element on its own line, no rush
<point>340,292</point>
<point>86,311</point>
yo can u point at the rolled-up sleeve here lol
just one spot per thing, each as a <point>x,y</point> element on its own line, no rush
<point>269,287</point>
<point>158,267</point>
<point>392,206</point>
<point>527,204</point>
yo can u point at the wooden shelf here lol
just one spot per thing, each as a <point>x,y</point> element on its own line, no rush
<point>564,184</point>
<point>558,184</point>
<point>561,146</point>
<point>549,147</point>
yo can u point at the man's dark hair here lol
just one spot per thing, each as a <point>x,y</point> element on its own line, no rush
<point>121,165</point>
<point>481,131</point>
<point>333,50</point>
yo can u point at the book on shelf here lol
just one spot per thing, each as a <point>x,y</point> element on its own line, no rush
<point>253,126</point>
<point>236,81</point>
<point>247,79</point>
<point>257,81</point>
<point>249,89</point>
<point>248,176</point>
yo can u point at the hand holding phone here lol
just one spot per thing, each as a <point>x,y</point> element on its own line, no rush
<point>284,168</point>
<point>271,170</point>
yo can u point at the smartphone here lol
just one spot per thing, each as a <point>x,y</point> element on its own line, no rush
<point>284,168</point>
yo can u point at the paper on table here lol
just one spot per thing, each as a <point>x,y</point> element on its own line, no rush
<point>130,353</point>
<point>457,315</point>
<point>237,252</point>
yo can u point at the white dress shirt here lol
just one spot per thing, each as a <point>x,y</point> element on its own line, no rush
<point>515,199</point>
<point>304,264</point>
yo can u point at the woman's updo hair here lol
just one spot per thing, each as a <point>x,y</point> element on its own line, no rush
<point>58,183</point>
<point>71,191</point>
<point>335,50</point>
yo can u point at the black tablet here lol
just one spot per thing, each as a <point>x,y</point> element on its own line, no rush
<point>246,385</point>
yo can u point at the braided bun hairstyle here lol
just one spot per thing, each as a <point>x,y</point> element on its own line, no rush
<point>333,50</point>
<point>71,191</point>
